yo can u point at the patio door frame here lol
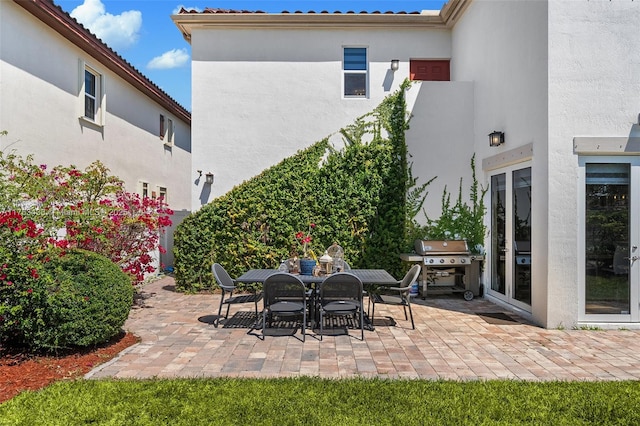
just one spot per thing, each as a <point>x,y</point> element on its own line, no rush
<point>634,239</point>
<point>509,254</point>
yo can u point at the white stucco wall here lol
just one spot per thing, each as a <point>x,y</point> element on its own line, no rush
<point>501,46</point>
<point>594,90</point>
<point>39,107</point>
<point>440,140</point>
<point>259,96</point>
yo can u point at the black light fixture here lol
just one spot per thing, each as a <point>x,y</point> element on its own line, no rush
<point>199,173</point>
<point>395,64</point>
<point>209,178</point>
<point>496,138</point>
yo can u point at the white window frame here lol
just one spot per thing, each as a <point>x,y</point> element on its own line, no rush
<point>345,72</point>
<point>144,189</point>
<point>163,193</point>
<point>99,98</point>
<point>170,132</point>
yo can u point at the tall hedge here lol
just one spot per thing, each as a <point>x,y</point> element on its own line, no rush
<point>356,196</point>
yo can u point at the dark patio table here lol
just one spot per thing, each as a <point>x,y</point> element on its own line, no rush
<point>367,276</point>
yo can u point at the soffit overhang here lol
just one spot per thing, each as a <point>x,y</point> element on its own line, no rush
<point>445,19</point>
<point>60,21</point>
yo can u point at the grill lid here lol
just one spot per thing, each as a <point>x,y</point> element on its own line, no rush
<point>441,247</point>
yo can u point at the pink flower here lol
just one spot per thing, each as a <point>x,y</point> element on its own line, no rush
<point>305,241</point>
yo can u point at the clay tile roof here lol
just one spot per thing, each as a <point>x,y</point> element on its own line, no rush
<point>337,12</point>
<point>67,26</point>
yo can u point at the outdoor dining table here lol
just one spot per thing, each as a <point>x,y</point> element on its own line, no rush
<point>367,276</point>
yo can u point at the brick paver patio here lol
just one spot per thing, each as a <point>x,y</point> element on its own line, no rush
<point>452,340</point>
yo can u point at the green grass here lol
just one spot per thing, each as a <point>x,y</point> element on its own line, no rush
<point>313,401</point>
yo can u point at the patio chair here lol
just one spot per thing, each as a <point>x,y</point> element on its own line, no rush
<point>227,285</point>
<point>398,296</point>
<point>341,295</point>
<point>284,296</point>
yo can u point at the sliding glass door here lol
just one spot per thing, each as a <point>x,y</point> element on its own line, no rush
<point>510,251</point>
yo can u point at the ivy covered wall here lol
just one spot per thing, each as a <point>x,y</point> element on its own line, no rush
<point>356,196</point>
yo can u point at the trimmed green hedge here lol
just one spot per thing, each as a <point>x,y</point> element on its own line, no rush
<point>356,196</point>
<point>80,299</point>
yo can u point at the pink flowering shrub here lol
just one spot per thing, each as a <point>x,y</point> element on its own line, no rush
<point>87,209</point>
<point>51,298</point>
<point>69,240</point>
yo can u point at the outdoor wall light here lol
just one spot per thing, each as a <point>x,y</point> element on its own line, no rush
<point>395,64</point>
<point>209,178</point>
<point>496,138</point>
<point>199,173</point>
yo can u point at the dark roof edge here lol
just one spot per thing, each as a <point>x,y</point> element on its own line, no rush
<point>76,33</point>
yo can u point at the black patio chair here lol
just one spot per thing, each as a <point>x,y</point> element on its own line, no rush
<point>341,295</point>
<point>398,296</point>
<point>284,296</point>
<point>227,285</point>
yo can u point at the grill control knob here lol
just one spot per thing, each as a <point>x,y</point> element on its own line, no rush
<point>452,261</point>
<point>430,260</point>
<point>441,260</point>
<point>463,260</point>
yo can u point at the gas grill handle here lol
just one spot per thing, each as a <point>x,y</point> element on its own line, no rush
<point>632,258</point>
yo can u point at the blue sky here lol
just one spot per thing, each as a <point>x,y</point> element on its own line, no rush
<point>142,32</point>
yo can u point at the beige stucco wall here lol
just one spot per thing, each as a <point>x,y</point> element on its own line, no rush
<point>502,47</point>
<point>261,95</point>
<point>40,109</point>
<point>440,140</point>
<point>594,90</point>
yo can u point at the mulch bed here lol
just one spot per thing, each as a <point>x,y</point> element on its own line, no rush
<point>21,371</point>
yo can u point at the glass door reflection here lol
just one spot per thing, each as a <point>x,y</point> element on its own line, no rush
<point>607,232</point>
<point>498,233</point>
<point>522,235</point>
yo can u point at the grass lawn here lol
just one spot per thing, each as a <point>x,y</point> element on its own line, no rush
<point>314,401</point>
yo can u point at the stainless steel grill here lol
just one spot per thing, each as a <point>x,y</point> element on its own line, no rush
<point>447,267</point>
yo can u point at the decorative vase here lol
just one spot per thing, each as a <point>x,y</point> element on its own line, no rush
<point>307,266</point>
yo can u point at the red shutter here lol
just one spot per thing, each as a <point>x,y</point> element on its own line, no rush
<point>429,70</point>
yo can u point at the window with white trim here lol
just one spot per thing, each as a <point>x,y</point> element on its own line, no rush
<point>355,71</point>
<point>145,190</point>
<point>163,194</point>
<point>92,94</point>
<point>166,130</point>
<point>169,139</point>
<point>162,127</point>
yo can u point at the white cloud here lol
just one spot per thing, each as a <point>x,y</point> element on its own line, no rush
<point>177,9</point>
<point>117,31</point>
<point>172,59</point>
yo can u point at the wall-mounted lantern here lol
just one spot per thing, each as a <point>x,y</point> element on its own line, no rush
<point>496,138</point>
<point>395,64</point>
<point>209,178</point>
<point>199,174</point>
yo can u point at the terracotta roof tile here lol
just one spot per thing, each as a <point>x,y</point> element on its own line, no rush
<point>45,9</point>
<point>337,12</point>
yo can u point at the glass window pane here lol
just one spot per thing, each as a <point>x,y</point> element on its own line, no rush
<point>89,83</point>
<point>607,239</point>
<point>522,234</point>
<point>89,107</point>
<point>355,58</point>
<point>498,232</point>
<point>355,84</point>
